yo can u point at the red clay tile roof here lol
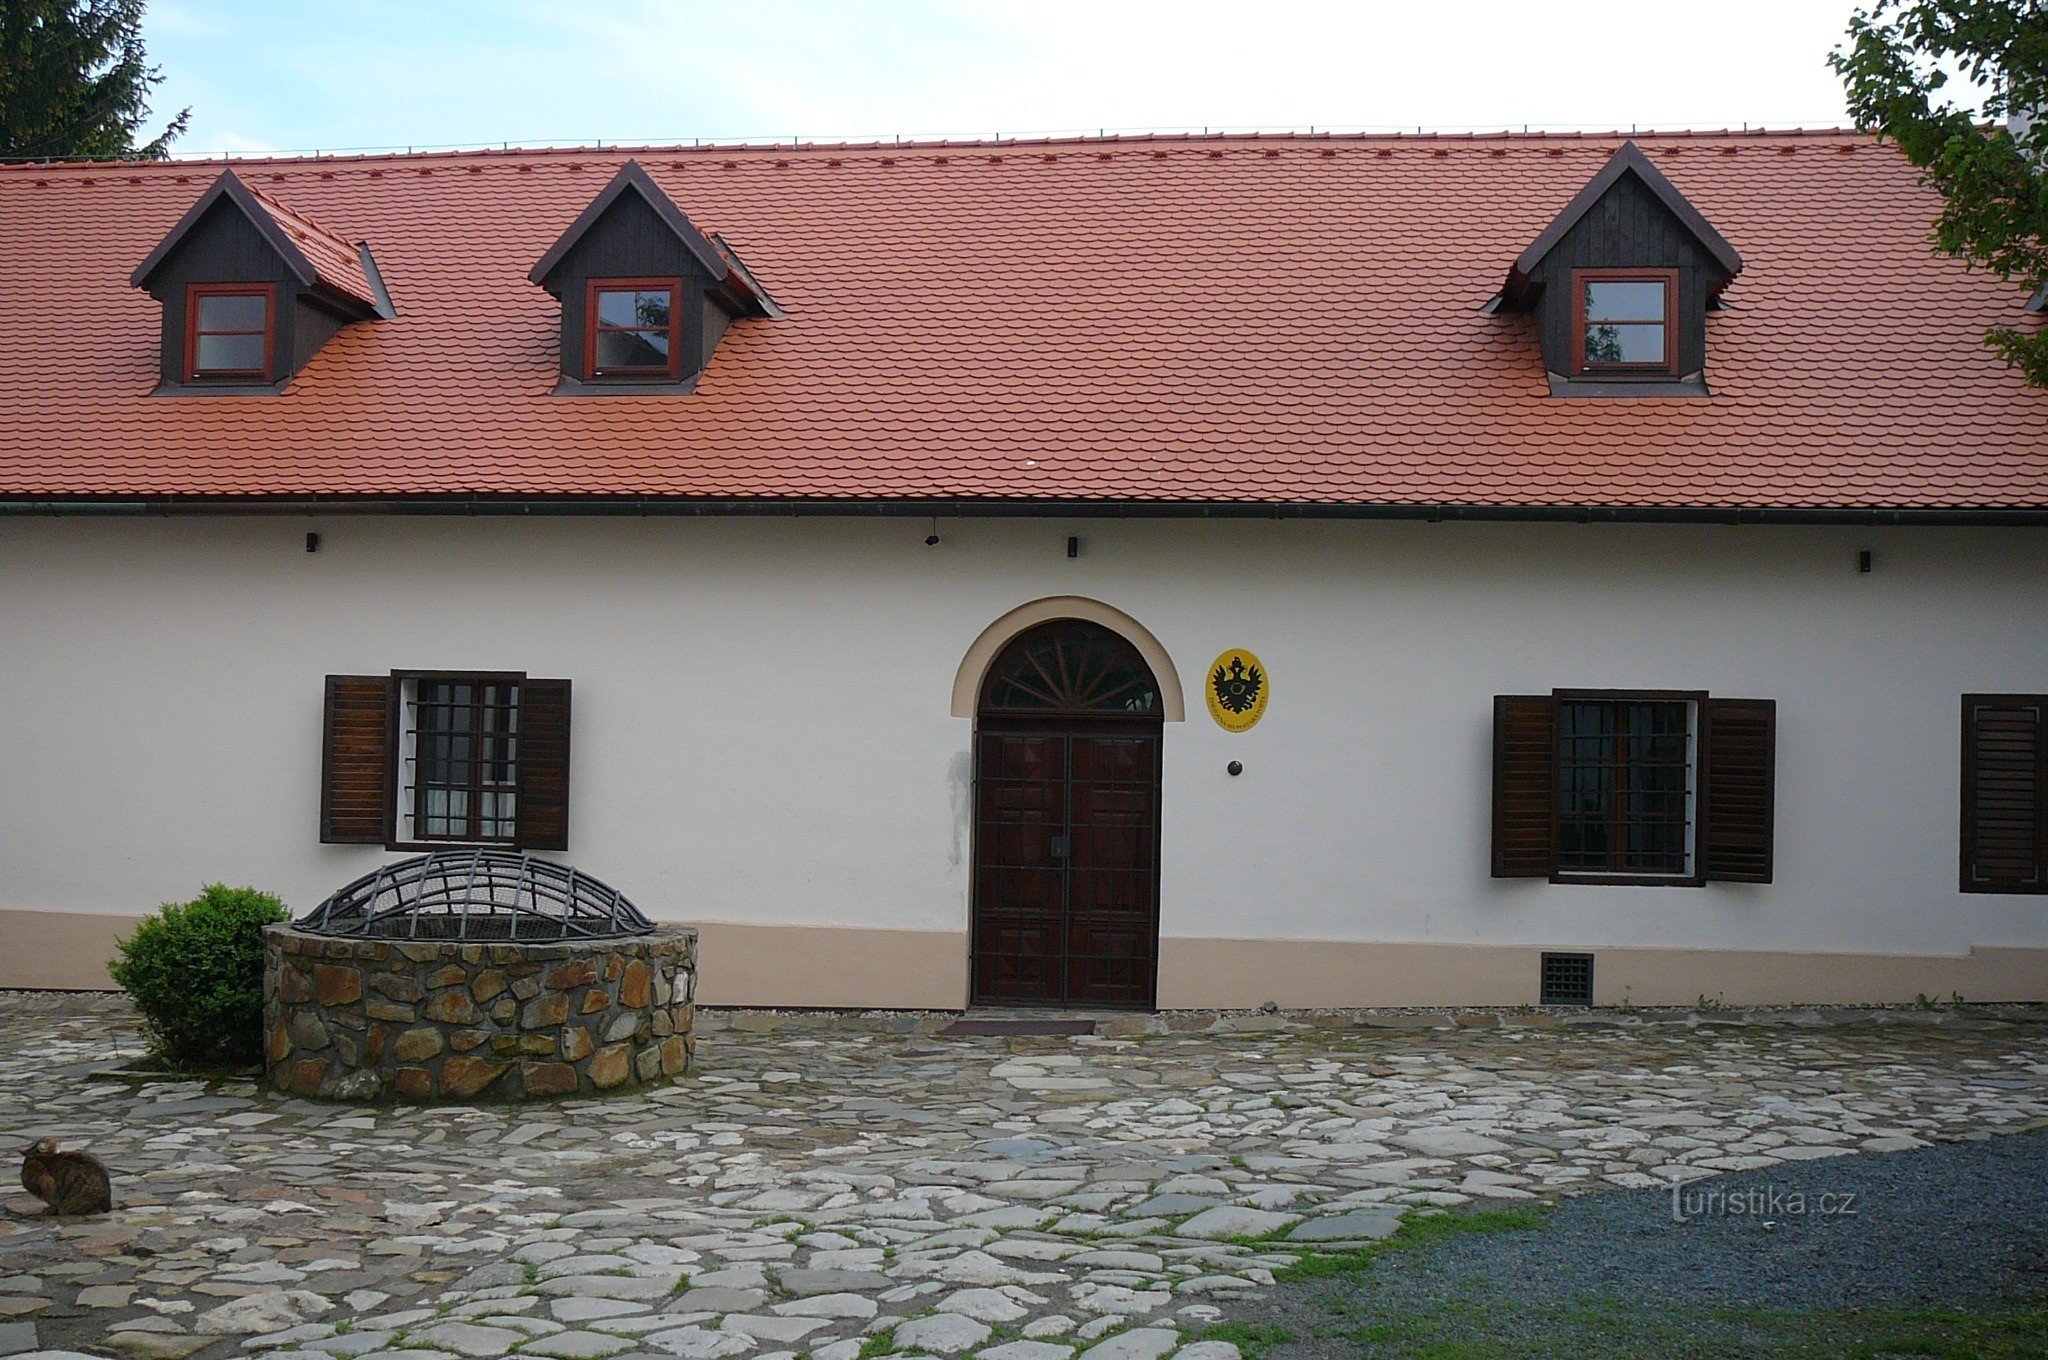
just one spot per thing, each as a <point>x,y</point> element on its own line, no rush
<point>337,261</point>
<point>1238,319</point>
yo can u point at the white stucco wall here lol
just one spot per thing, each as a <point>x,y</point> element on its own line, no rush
<point>762,734</point>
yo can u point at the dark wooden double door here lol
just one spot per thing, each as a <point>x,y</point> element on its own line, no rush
<point>1066,863</point>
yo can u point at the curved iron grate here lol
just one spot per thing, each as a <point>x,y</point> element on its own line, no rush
<point>476,895</point>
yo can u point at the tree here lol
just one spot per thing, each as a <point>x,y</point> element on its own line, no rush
<point>1987,152</point>
<point>75,81</point>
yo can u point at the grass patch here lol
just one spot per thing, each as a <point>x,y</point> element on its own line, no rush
<point>1252,1339</point>
<point>1094,1234</point>
<point>878,1345</point>
<point>1416,1232</point>
<point>1946,1335</point>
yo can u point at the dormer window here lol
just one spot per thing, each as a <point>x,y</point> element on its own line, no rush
<point>646,297</point>
<point>231,332</point>
<point>251,290</point>
<point>634,330</point>
<point>1619,286</point>
<point>1627,322</point>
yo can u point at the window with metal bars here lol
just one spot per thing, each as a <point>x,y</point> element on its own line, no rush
<point>1625,792</point>
<point>1667,787</point>
<point>460,772</point>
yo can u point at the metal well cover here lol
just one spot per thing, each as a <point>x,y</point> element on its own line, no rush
<point>477,895</point>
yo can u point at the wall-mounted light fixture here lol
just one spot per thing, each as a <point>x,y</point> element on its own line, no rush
<point>312,542</point>
<point>1073,546</point>
<point>1864,562</point>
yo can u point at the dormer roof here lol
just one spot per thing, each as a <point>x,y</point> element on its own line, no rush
<point>718,259</point>
<point>1628,160</point>
<point>317,257</point>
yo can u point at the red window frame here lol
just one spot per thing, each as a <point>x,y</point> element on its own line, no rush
<point>1667,277</point>
<point>193,293</point>
<point>673,371</point>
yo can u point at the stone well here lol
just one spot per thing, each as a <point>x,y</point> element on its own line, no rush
<point>363,1018</point>
<point>481,974</point>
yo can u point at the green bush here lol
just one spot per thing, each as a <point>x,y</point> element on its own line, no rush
<point>195,970</point>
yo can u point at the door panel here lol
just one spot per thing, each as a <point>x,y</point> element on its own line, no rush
<point>1066,863</point>
<point>1112,884</point>
<point>1020,887</point>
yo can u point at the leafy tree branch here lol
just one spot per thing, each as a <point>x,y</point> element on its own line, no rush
<point>1962,87</point>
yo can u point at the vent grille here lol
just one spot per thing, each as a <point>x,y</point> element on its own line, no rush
<point>1567,979</point>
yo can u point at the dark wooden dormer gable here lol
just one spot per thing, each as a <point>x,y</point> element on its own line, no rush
<point>251,290</point>
<point>645,295</point>
<point>1620,284</point>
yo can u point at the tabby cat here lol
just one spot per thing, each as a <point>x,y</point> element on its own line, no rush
<point>69,1182</point>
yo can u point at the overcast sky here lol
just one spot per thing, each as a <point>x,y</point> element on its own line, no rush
<point>263,75</point>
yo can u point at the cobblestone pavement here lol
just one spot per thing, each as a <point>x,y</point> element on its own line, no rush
<point>826,1193</point>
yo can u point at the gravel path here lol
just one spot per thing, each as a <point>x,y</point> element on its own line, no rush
<point>1961,1227</point>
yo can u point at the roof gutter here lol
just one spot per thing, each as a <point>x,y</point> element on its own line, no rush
<point>1015,509</point>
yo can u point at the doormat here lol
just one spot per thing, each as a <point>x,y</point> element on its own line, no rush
<point>991,1028</point>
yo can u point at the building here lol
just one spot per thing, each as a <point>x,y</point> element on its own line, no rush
<point>1175,571</point>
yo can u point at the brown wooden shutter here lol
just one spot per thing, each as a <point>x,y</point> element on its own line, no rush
<point>1738,778</point>
<point>1524,786</point>
<point>355,760</point>
<point>2005,775</point>
<point>544,765</point>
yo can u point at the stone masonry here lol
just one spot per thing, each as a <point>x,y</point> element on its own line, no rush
<point>838,1192</point>
<point>421,1020</point>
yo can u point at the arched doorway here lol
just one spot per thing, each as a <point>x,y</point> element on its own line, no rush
<point>1066,822</point>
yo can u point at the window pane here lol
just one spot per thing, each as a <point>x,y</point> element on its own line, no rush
<point>651,309</point>
<point>632,349</point>
<point>1632,344</point>
<point>1624,786</point>
<point>465,771</point>
<point>633,308</point>
<point>1614,301</point>
<point>232,312</point>
<point>228,353</point>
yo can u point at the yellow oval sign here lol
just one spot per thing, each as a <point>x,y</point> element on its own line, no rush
<point>1237,687</point>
